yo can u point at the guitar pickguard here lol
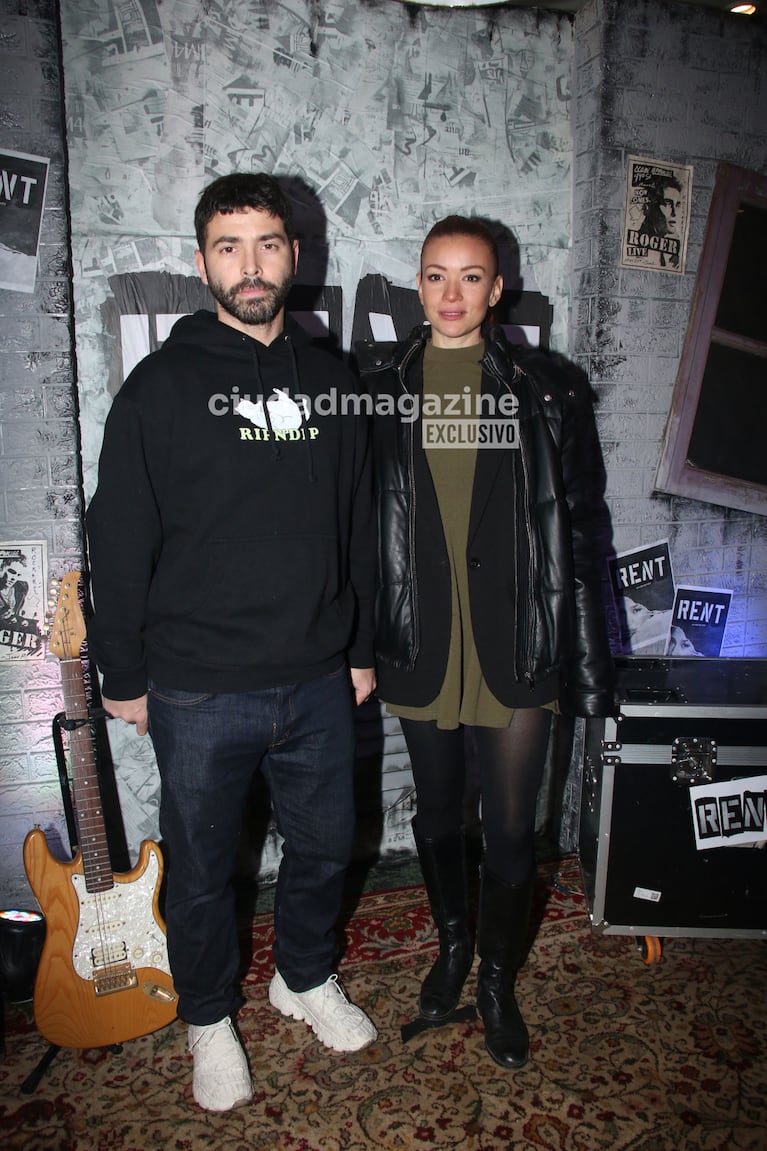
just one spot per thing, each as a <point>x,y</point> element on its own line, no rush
<point>118,926</point>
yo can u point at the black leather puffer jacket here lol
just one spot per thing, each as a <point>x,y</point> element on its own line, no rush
<point>534,570</point>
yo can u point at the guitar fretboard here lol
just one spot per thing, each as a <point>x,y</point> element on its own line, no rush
<point>86,793</point>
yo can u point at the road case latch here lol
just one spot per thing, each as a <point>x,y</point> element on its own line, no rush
<point>693,760</point>
<point>610,752</point>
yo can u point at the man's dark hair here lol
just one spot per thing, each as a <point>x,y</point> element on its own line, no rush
<point>464,226</point>
<point>656,192</point>
<point>242,190</point>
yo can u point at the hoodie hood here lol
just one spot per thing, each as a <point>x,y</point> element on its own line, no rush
<point>204,329</point>
<point>276,400</point>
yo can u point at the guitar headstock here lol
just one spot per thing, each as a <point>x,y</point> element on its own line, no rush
<point>67,630</point>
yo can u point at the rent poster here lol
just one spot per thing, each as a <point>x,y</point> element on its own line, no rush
<point>22,600</point>
<point>698,621</point>
<point>643,588</point>
<point>730,813</point>
<point>22,196</point>
<point>657,215</point>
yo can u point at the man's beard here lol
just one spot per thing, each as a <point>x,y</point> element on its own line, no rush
<point>256,309</point>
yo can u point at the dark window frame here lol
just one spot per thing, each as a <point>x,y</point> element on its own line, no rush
<point>676,475</point>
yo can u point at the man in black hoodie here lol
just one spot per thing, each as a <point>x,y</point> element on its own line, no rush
<point>232,554</point>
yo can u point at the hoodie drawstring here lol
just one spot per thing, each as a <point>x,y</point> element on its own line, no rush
<point>276,447</point>
<point>311,475</point>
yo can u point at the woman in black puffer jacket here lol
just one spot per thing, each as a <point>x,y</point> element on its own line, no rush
<point>489,612</point>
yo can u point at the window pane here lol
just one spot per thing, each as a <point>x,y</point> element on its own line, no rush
<point>743,302</point>
<point>729,435</point>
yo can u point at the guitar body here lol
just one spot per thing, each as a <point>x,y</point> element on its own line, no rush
<point>103,976</point>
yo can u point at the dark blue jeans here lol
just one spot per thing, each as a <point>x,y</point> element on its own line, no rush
<point>208,748</point>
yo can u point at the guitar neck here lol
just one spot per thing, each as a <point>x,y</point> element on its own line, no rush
<point>86,792</point>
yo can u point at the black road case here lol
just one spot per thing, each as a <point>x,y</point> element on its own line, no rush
<point>681,765</point>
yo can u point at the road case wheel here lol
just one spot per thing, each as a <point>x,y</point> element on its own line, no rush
<point>650,949</point>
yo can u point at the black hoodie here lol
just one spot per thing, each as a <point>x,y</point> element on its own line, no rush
<point>231,550</point>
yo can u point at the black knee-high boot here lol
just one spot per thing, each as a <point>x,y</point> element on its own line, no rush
<point>443,863</point>
<point>504,915</point>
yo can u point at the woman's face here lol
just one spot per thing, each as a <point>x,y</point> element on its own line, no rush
<point>637,615</point>
<point>679,644</point>
<point>457,285</point>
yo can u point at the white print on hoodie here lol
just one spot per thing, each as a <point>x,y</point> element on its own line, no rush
<point>284,413</point>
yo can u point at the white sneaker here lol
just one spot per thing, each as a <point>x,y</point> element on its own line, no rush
<point>221,1079</point>
<point>334,1020</point>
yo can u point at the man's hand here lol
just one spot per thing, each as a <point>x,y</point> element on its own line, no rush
<point>363,682</point>
<point>129,710</point>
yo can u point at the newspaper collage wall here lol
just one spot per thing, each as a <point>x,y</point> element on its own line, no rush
<point>381,119</point>
<point>382,123</point>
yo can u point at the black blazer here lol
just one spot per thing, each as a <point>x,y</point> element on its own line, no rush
<point>534,578</point>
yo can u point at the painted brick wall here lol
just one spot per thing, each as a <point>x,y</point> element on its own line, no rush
<point>674,83</point>
<point>39,484</point>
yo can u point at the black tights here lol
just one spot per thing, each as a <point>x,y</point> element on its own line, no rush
<point>510,760</point>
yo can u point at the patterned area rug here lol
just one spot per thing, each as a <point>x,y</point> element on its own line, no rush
<point>626,1056</point>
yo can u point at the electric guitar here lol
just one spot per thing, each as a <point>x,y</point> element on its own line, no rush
<point>103,976</point>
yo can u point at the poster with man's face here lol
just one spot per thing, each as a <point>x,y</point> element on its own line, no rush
<point>657,215</point>
<point>22,599</point>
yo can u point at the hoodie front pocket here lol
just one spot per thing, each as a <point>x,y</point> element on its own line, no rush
<point>273,601</point>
